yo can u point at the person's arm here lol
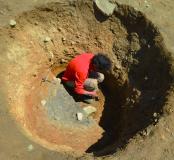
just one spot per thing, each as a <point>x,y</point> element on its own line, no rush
<point>79,81</point>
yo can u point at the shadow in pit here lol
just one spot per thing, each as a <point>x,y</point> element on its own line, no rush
<point>68,89</point>
<point>122,121</point>
<point>98,14</point>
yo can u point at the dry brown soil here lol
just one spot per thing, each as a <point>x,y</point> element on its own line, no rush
<point>137,107</point>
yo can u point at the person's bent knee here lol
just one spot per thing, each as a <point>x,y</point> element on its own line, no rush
<point>70,84</point>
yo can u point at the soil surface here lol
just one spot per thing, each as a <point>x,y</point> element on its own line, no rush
<point>135,110</point>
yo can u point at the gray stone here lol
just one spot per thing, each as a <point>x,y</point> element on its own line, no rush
<point>89,110</point>
<point>62,108</point>
<point>155,114</point>
<point>12,23</point>
<point>105,6</point>
<point>146,78</point>
<point>156,120</point>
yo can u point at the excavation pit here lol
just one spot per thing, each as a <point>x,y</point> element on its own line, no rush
<point>43,42</point>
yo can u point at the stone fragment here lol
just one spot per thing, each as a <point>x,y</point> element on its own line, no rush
<point>79,116</point>
<point>59,29</point>
<point>12,23</point>
<point>135,43</point>
<point>63,61</point>
<point>156,120</point>
<point>58,80</point>
<point>30,148</point>
<point>148,131</point>
<point>89,110</point>
<point>51,55</point>
<point>145,78</point>
<point>155,114</point>
<point>47,39</point>
<point>36,23</point>
<point>63,39</point>
<point>105,7</point>
<point>43,102</point>
<point>72,43</point>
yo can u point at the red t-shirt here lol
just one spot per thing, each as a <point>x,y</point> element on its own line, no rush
<point>77,71</point>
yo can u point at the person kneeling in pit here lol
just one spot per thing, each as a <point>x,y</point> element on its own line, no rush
<point>84,72</point>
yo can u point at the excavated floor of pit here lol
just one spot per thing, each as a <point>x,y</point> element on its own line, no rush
<point>133,90</point>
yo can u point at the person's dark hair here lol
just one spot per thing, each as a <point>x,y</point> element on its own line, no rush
<point>101,62</point>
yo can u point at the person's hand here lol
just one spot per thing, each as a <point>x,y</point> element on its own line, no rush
<point>92,93</point>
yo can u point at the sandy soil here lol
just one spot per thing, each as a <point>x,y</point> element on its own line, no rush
<point>15,144</point>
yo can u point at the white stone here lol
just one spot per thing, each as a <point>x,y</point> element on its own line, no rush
<point>12,23</point>
<point>89,110</point>
<point>43,102</point>
<point>145,78</point>
<point>63,61</point>
<point>63,39</point>
<point>79,116</point>
<point>47,39</point>
<point>105,6</point>
<point>30,148</point>
<point>155,114</point>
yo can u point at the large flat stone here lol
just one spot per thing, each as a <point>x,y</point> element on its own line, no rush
<point>105,7</point>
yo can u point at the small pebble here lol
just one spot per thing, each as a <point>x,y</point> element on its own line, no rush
<point>155,114</point>
<point>145,78</point>
<point>51,55</point>
<point>43,102</point>
<point>63,61</point>
<point>79,116</point>
<point>30,148</point>
<point>59,29</point>
<point>147,5</point>
<point>12,23</point>
<point>47,39</point>
<point>63,39</point>
<point>36,23</point>
<point>72,43</point>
